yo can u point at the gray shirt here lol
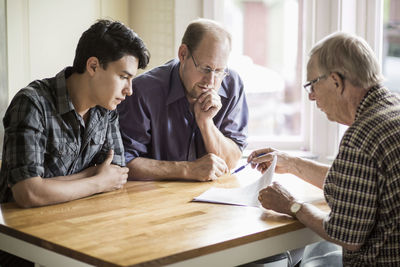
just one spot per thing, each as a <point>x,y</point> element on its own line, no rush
<point>44,135</point>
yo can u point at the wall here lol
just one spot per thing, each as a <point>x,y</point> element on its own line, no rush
<point>153,20</point>
<point>42,34</point>
<point>186,11</point>
<point>3,67</point>
<point>38,37</point>
<point>161,24</point>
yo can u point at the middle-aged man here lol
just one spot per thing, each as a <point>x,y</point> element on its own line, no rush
<point>62,139</point>
<point>188,118</point>
<point>362,187</point>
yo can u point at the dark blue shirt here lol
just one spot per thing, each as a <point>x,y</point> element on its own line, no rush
<point>156,121</point>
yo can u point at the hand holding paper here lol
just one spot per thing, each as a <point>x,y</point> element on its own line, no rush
<point>247,195</point>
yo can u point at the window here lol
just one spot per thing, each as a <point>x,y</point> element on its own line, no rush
<point>391,44</point>
<point>266,52</point>
<point>274,37</point>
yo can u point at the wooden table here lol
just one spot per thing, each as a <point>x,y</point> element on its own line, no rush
<point>152,224</point>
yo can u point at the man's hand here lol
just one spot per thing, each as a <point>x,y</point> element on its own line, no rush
<point>263,162</point>
<point>207,106</point>
<point>208,167</point>
<point>276,197</point>
<point>111,176</point>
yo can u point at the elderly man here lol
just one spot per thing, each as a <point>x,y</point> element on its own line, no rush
<point>362,187</point>
<point>188,118</point>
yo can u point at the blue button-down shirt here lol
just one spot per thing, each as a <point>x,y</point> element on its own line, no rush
<point>156,121</point>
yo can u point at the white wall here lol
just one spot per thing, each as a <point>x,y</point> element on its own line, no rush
<point>42,34</point>
<point>185,11</point>
<point>3,67</point>
<point>161,24</point>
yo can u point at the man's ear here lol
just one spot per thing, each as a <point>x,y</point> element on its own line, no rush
<point>339,82</point>
<point>183,52</point>
<point>92,64</point>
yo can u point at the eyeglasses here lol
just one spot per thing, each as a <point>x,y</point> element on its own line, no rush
<point>309,86</point>
<point>206,70</point>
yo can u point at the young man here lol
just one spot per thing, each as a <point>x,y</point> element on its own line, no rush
<point>362,186</point>
<point>188,118</point>
<point>62,139</point>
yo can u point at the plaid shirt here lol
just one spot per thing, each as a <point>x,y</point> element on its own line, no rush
<point>362,187</point>
<point>44,135</point>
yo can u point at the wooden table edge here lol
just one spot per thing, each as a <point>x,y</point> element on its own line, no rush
<point>170,259</point>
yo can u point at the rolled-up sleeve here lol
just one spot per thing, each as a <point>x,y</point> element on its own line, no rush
<point>24,140</point>
<point>114,136</point>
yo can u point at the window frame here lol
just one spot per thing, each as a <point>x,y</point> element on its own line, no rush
<point>361,17</point>
<point>213,9</point>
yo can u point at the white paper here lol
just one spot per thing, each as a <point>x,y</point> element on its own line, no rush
<point>245,196</point>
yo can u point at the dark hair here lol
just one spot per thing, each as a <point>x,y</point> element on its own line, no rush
<point>109,41</point>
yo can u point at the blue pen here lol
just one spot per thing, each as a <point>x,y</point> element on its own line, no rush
<point>244,166</point>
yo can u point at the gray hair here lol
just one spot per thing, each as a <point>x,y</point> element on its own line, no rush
<point>350,56</point>
<point>197,29</point>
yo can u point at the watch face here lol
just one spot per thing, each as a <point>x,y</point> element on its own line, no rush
<point>295,207</point>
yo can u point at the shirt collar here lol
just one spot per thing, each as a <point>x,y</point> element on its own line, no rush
<point>370,98</point>
<point>177,89</point>
<point>64,102</point>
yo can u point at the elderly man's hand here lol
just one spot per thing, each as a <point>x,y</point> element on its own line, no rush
<point>263,162</point>
<point>276,197</point>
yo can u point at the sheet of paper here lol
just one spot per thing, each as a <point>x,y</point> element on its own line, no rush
<point>245,196</point>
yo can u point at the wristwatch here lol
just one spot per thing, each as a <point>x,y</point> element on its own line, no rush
<point>295,207</point>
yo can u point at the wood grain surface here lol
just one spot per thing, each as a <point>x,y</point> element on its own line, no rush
<point>147,223</point>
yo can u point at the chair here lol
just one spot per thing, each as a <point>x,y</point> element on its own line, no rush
<point>320,254</point>
<point>287,259</point>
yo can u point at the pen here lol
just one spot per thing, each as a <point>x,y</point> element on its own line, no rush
<point>244,166</point>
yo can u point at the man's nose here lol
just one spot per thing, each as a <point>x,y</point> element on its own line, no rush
<point>211,76</point>
<point>128,88</point>
<point>311,96</point>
